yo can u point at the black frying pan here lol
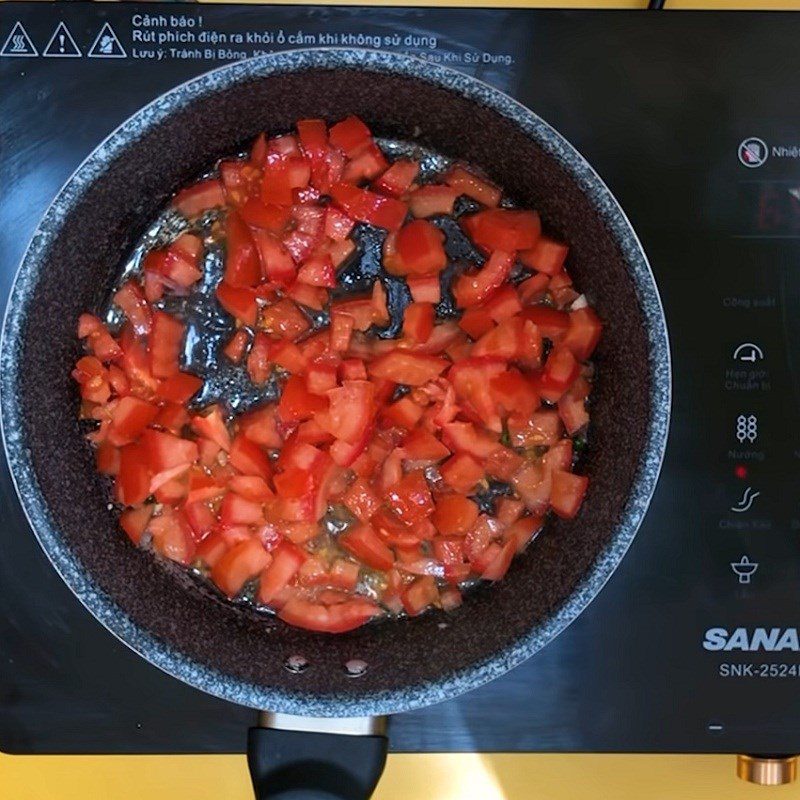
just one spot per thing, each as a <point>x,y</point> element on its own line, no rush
<point>235,652</point>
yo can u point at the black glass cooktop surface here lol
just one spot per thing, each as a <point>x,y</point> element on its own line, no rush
<point>692,120</point>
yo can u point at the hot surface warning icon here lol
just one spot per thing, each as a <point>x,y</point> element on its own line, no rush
<point>107,45</point>
<point>61,44</point>
<point>18,43</point>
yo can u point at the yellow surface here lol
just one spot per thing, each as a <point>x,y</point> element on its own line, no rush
<point>411,777</point>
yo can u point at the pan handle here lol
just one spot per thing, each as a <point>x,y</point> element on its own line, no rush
<point>311,758</point>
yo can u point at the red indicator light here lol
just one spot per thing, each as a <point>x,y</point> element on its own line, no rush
<point>740,471</point>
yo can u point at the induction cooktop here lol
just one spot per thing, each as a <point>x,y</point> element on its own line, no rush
<point>692,120</point>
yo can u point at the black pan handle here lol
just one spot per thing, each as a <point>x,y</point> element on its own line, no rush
<point>304,758</point>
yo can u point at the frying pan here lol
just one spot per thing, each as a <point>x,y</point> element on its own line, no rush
<point>321,735</point>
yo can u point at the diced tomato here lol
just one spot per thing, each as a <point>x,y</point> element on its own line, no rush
<point>286,561</point>
<point>454,514</point>
<point>419,595</point>
<point>403,412</point>
<point>471,379</point>
<point>107,458</point>
<point>200,197</point>
<point>421,446</point>
<point>514,339</point>
<point>476,321</point>
<point>271,218</point>
<point>551,322</point>
<point>418,322</point>
<point>350,135</point>
<point>503,229</point>
<point>133,478</point>
<point>432,200</point>
<point>236,346</point>
<point>367,165</point>
<point>259,363</point>
<point>238,510</point>
<point>583,333</point>
<point>572,410</point>
<point>241,257</point>
<point>166,340</point>
<point>336,618</point>
<point>211,425</point>
<point>350,410</point>
<point>509,510</point>
<point>461,472</point>
<point>261,426</point>
<point>567,493</point>
<point>164,451</point>
<point>546,255</point>
<point>237,566</point>
<point>130,417</point>
<point>240,302</point>
<point>503,463</point>
<point>540,428</point>
<point>172,537</point>
<point>533,289</point>
<point>179,388</point>
<point>318,272</point>
<point>98,339</point>
<point>249,459</point>
<point>352,369</point>
<point>418,248</point>
<point>465,182</point>
<point>410,498</point>
<point>366,206</point>
<point>464,437</point>
<point>284,320</point>
<point>412,369</point>
<point>514,392</point>
<point>134,521</point>
<point>533,484</point>
<point>367,546</point>
<point>131,300</point>
<point>498,566</point>
<point>277,264</point>
<point>424,288</point>
<point>522,531</point>
<point>560,372</point>
<point>361,499</point>
<point>472,288</point>
<point>397,180</point>
<point>201,519</point>
<point>297,403</point>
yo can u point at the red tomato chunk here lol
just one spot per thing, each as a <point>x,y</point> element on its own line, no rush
<point>357,492</point>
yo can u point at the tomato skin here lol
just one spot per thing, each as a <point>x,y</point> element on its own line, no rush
<point>165,342</point>
<point>454,515</point>
<point>471,185</point>
<point>503,229</point>
<point>413,369</point>
<point>567,493</point>
<point>365,545</point>
<point>470,289</point>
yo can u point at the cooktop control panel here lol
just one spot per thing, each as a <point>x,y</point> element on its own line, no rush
<point>691,119</point>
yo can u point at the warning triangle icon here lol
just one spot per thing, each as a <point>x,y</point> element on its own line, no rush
<point>107,45</point>
<point>61,44</point>
<point>19,43</point>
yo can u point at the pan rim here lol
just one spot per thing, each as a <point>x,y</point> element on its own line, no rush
<point>207,678</point>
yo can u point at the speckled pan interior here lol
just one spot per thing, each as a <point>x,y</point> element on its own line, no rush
<point>159,611</point>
